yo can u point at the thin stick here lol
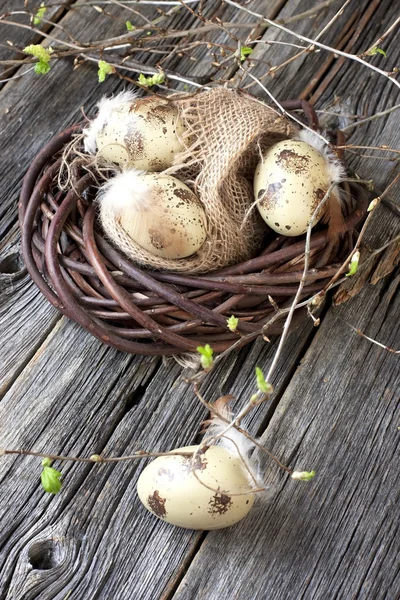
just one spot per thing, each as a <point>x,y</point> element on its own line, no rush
<point>99,459</point>
<point>303,38</point>
<point>359,239</point>
<point>376,116</point>
<point>362,334</point>
<point>148,71</point>
<point>379,148</point>
<point>279,105</point>
<point>263,397</point>
<point>380,39</point>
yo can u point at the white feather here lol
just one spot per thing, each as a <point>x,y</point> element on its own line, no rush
<point>239,442</point>
<point>128,190</point>
<point>106,106</point>
<point>336,170</point>
<point>235,443</point>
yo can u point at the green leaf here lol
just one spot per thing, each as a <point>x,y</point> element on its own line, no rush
<point>129,26</point>
<point>377,50</point>
<point>232,323</point>
<point>206,356</point>
<point>41,68</point>
<point>245,51</point>
<point>263,385</point>
<point>37,19</point>
<point>104,70</point>
<point>43,55</point>
<point>303,475</point>
<point>353,266</point>
<point>50,479</point>
<point>152,80</point>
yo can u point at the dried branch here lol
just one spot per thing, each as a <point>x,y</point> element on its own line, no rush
<point>362,334</point>
<point>95,458</point>
<point>380,39</point>
<point>303,38</point>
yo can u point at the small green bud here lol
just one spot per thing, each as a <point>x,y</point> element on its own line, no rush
<point>46,462</point>
<point>377,50</point>
<point>37,19</point>
<point>263,385</point>
<point>104,69</point>
<point>152,80</point>
<point>303,475</point>
<point>353,266</point>
<point>50,479</point>
<point>232,323</point>
<point>43,55</point>
<point>372,204</point>
<point>96,458</point>
<point>245,51</point>
<point>129,26</point>
<point>206,356</point>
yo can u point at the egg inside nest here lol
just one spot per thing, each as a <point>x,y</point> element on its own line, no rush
<point>290,181</point>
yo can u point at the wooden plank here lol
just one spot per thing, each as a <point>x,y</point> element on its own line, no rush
<point>98,515</point>
<point>338,536</point>
<point>337,416</point>
<point>21,37</point>
<point>95,539</point>
<point>41,372</point>
<point>28,123</point>
<point>21,334</point>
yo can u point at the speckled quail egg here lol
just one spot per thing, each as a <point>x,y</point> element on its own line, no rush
<point>168,489</point>
<point>158,212</point>
<point>290,181</point>
<point>143,133</point>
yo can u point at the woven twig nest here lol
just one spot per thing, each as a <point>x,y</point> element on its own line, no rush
<point>160,312</point>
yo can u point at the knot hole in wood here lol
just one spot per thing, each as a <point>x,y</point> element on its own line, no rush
<point>11,264</point>
<point>46,554</point>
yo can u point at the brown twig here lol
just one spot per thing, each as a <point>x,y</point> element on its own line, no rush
<point>377,43</point>
<point>95,458</point>
<point>303,38</point>
<point>362,334</point>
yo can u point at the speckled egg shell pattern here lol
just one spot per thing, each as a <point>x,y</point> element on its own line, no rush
<point>289,183</point>
<point>169,490</point>
<point>173,224</point>
<point>143,134</point>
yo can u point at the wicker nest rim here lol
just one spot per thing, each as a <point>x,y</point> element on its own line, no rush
<point>154,313</point>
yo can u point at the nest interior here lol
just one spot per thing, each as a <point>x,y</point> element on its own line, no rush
<point>155,312</point>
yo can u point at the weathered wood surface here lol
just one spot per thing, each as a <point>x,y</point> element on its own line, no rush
<point>27,32</point>
<point>337,412</point>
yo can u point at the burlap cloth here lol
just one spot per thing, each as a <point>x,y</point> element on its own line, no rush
<point>227,133</point>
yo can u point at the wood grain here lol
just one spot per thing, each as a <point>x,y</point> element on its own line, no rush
<point>338,536</point>
<point>21,334</point>
<point>22,37</point>
<point>337,412</point>
<point>117,404</point>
